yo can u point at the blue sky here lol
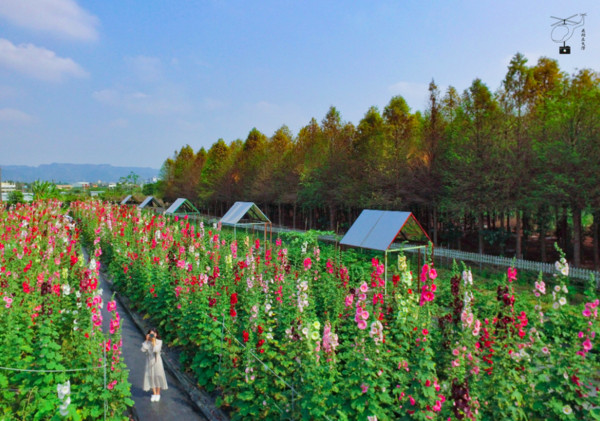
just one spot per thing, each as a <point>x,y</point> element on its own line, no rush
<point>129,82</point>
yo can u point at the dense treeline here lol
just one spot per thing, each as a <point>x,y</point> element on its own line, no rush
<point>495,171</point>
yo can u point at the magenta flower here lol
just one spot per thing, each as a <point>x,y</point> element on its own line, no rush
<point>307,263</point>
<point>362,325</point>
<point>432,273</point>
<point>111,306</point>
<point>512,274</point>
<point>349,300</point>
<point>364,387</point>
<point>364,287</point>
<point>587,345</point>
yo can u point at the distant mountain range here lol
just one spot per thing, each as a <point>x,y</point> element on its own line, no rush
<point>72,173</point>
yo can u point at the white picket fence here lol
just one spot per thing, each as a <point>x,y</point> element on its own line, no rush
<point>484,259</point>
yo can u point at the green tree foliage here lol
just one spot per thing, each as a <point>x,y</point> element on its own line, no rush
<point>479,168</point>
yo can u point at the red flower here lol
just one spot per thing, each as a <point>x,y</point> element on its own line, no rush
<point>260,329</point>
<point>232,312</point>
<point>26,268</point>
<point>246,336</point>
<point>234,298</point>
<point>425,332</point>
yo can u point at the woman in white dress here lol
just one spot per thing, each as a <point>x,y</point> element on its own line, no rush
<point>154,375</point>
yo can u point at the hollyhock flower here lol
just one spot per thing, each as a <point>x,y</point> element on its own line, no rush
<point>364,387</point>
<point>412,400</point>
<point>432,274</point>
<point>111,385</point>
<point>567,410</point>
<point>246,336</point>
<point>362,325</point>
<point>364,315</point>
<point>307,263</point>
<point>63,389</point>
<point>364,287</point>
<point>349,299</point>
<point>587,313</point>
<point>111,306</point>
<point>587,345</point>
<point>512,274</point>
<point>562,301</point>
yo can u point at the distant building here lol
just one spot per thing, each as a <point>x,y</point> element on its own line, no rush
<point>64,186</point>
<point>112,185</point>
<point>81,185</point>
<point>7,187</point>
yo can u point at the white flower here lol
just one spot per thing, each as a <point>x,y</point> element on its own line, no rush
<point>66,289</point>
<point>555,305</point>
<point>567,410</point>
<point>565,269</point>
<point>93,264</point>
<point>562,301</point>
<point>565,290</point>
<point>63,389</point>
<point>557,288</point>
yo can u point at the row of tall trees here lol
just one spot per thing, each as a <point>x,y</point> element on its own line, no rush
<point>503,169</point>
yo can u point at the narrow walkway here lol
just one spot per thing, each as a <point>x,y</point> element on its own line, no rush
<point>174,403</point>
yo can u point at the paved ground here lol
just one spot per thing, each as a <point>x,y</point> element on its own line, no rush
<point>174,403</point>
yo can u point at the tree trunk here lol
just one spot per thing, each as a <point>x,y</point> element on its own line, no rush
<point>435,226</point>
<point>279,209</point>
<point>576,236</point>
<point>332,218</point>
<point>480,232</point>
<point>502,220</point>
<point>294,216</point>
<point>518,251</point>
<point>596,234</point>
<point>543,241</point>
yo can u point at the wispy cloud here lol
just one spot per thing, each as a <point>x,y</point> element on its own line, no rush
<point>61,17</point>
<point>146,69</point>
<point>37,62</point>
<point>119,123</point>
<point>12,115</point>
<point>140,102</point>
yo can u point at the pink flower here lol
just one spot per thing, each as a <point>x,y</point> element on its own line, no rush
<point>364,287</point>
<point>545,350</point>
<point>587,313</point>
<point>455,352</point>
<point>364,387</point>
<point>111,306</point>
<point>362,325</point>
<point>412,400</point>
<point>111,385</point>
<point>432,273</point>
<point>587,345</point>
<point>349,300</point>
<point>364,315</point>
<point>512,274</point>
<point>580,334</point>
<point>307,263</point>
<point>455,363</point>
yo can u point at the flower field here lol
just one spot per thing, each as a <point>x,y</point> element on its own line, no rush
<point>299,330</point>
<point>54,354</point>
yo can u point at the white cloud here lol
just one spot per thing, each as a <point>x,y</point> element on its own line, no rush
<point>37,62</point>
<point>119,123</point>
<point>146,69</point>
<point>61,17</point>
<point>12,115</point>
<point>161,103</point>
